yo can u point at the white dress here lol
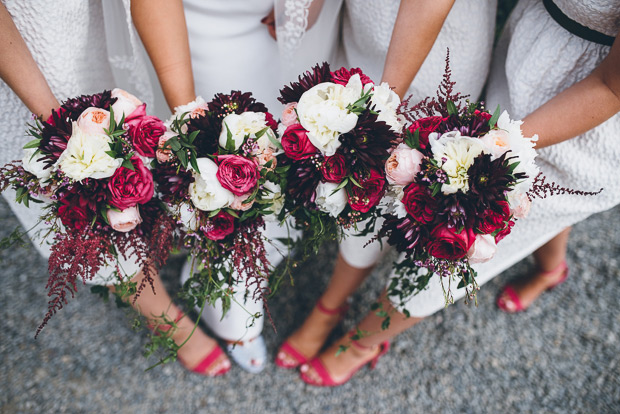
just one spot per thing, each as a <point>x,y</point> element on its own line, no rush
<point>67,40</point>
<point>468,33</point>
<point>536,59</point>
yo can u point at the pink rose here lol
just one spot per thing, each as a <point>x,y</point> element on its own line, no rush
<point>483,249</point>
<point>94,120</point>
<point>162,153</point>
<point>265,156</point>
<point>124,220</point>
<point>125,103</point>
<point>237,174</point>
<point>144,131</point>
<point>522,209</point>
<point>126,188</point>
<point>403,165</point>
<point>289,116</point>
<point>238,203</point>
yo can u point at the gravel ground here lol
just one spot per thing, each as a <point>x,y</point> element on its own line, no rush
<point>561,356</point>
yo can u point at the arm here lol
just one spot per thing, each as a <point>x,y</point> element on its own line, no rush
<point>581,107</point>
<point>162,28</point>
<point>417,25</point>
<point>19,70</point>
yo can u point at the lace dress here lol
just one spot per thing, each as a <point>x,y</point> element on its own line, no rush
<point>536,59</point>
<point>68,41</point>
<point>468,33</point>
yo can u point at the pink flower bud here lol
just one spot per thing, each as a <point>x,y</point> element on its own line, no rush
<point>124,220</point>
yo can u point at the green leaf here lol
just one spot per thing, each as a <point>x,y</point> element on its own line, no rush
<point>128,164</point>
<point>494,118</point>
<point>385,324</point>
<point>32,144</point>
<point>214,213</point>
<point>182,155</point>
<point>230,143</point>
<point>451,108</point>
<point>275,142</point>
<point>341,185</point>
<point>232,212</point>
<point>355,182</point>
<point>194,163</point>
<point>193,136</point>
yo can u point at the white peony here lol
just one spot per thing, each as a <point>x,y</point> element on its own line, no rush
<point>386,102</point>
<point>241,126</point>
<point>521,147</point>
<point>33,166</point>
<point>328,202</point>
<point>455,154</point>
<point>323,112</point>
<point>206,192</point>
<point>276,197</point>
<point>85,156</point>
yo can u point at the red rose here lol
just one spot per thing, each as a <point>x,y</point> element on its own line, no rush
<point>505,232</point>
<point>73,215</point>
<point>364,198</point>
<point>296,144</point>
<point>334,168</point>
<point>419,203</point>
<point>127,188</point>
<point>220,226</point>
<point>492,220</point>
<point>342,76</point>
<point>144,131</point>
<point>426,126</point>
<point>237,174</point>
<point>446,243</point>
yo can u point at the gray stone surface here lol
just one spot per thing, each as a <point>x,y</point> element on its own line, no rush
<point>561,356</point>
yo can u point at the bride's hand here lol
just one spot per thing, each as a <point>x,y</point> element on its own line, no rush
<point>270,22</point>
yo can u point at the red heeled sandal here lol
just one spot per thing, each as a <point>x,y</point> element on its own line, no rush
<point>325,378</point>
<point>203,366</point>
<point>510,292</point>
<point>288,351</point>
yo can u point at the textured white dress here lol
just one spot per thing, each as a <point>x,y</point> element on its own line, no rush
<point>468,33</point>
<point>536,59</point>
<point>67,40</point>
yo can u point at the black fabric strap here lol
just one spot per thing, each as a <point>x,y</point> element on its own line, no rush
<point>576,28</point>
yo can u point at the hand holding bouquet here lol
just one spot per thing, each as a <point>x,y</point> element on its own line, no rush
<point>337,128</point>
<point>89,162</point>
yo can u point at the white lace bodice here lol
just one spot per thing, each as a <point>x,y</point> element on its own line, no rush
<point>467,31</point>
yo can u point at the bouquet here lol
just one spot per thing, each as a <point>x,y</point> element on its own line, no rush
<point>337,128</point>
<point>89,163</point>
<point>458,180</point>
<point>219,174</point>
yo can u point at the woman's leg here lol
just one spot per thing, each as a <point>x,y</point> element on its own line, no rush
<point>549,259</point>
<point>156,305</point>
<point>340,365</point>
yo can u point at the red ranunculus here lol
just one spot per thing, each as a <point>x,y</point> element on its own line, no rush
<point>492,220</point>
<point>484,115</point>
<point>127,188</point>
<point>220,226</point>
<point>342,76</point>
<point>426,126</point>
<point>144,131</point>
<point>73,215</point>
<point>364,198</point>
<point>296,144</point>
<point>237,174</point>
<point>419,203</point>
<point>271,123</point>
<point>505,232</point>
<point>446,243</point>
<point>334,168</point>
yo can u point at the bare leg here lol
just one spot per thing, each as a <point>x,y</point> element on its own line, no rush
<point>153,305</point>
<point>341,366</point>
<point>313,333</point>
<point>549,259</point>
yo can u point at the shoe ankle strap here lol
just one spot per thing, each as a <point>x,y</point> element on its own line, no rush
<point>337,311</point>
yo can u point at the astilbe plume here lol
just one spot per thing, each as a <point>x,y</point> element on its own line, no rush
<point>542,189</point>
<point>319,74</point>
<point>437,105</point>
